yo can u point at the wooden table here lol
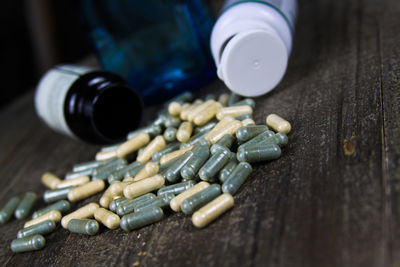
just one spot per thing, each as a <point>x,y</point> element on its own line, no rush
<point>332,199</point>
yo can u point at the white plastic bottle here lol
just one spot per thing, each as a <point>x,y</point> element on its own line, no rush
<point>251,43</point>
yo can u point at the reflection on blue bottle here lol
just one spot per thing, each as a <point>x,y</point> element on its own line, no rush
<point>160,47</point>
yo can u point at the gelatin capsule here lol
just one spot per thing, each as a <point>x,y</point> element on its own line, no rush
<point>247,101</point>
<point>213,165</point>
<point>152,130</point>
<point>105,155</point>
<point>144,186</point>
<point>278,124</point>
<point>208,127</point>
<point>150,169</point>
<point>133,144</point>
<point>195,139</point>
<point>226,141</point>
<point>257,139</point>
<point>167,157</point>
<point>28,243</point>
<point>116,203</point>
<point>50,180</point>
<point>169,148</point>
<point>72,175</point>
<point>198,200</point>
<point>170,134</point>
<point>84,212</point>
<point>56,194</point>
<point>237,177</point>
<point>186,111</point>
<point>248,122</point>
<point>233,111</point>
<point>114,190</point>
<point>234,98</point>
<point>193,165</point>
<point>62,206</point>
<point>184,132</point>
<point>176,188</point>
<point>204,106</point>
<point>259,153</point>
<point>245,133</point>
<point>175,108</point>
<point>129,206</point>
<point>227,169</point>
<point>87,165</point>
<point>229,129</point>
<point>53,215</point>
<point>171,121</point>
<point>160,202</point>
<point>156,144</point>
<point>224,99</point>
<point>102,172</point>
<point>279,139</point>
<point>74,182</point>
<point>212,210</point>
<point>168,164</point>
<point>120,174</point>
<point>132,173</point>
<point>176,202</point>
<point>25,206</point>
<point>8,210</point>
<point>173,173</point>
<point>145,217</point>
<point>243,117</point>
<point>108,218</point>
<point>42,228</point>
<point>86,190</point>
<point>206,114</point>
<point>83,226</point>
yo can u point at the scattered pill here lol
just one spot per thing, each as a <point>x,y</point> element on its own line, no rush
<point>184,132</point>
<point>234,111</point>
<point>75,174</point>
<point>53,215</point>
<point>62,206</point>
<point>196,201</point>
<point>42,228</point>
<point>50,180</point>
<point>133,144</point>
<point>25,206</point>
<point>175,108</point>
<point>167,157</point>
<point>247,101</point>
<point>130,205</point>
<point>171,121</point>
<point>118,175</point>
<point>87,165</point>
<point>176,202</point>
<point>236,178</point>
<point>212,210</point>
<point>259,153</point>
<point>8,210</point>
<point>243,117</point>
<point>214,164</point>
<point>207,114</point>
<point>74,182</point>
<point>278,124</point>
<point>227,169</point>
<point>173,173</point>
<point>170,134</point>
<point>245,133</point>
<point>116,203</point>
<point>160,202</point>
<point>50,196</point>
<point>86,190</point>
<point>231,128</point>
<point>150,169</point>
<point>176,188</point>
<point>145,217</point>
<point>225,142</point>
<point>83,226</point>
<point>28,243</point>
<point>248,122</point>
<point>193,165</point>
<point>106,155</point>
<point>257,139</point>
<point>144,186</point>
<point>108,218</point>
<point>84,212</point>
<point>169,148</point>
<point>156,144</point>
<point>207,127</point>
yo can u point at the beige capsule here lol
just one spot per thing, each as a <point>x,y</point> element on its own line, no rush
<point>234,111</point>
<point>133,144</point>
<point>231,129</point>
<point>86,212</point>
<point>86,190</point>
<point>128,179</point>
<point>224,99</point>
<point>106,155</point>
<point>176,202</point>
<point>116,189</point>
<point>108,218</point>
<point>170,156</point>
<point>193,113</point>
<point>247,122</point>
<point>279,124</point>
<point>174,108</point>
<point>212,210</point>
<point>50,180</point>
<point>144,186</point>
<point>184,131</point>
<point>207,114</point>
<point>74,181</point>
<point>156,144</point>
<point>186,110</point>
<point>150,169</point>
<point>53,215</point>
<point>221,124</point>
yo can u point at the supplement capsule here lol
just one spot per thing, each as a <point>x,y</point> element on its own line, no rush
<point>195,139</point>
<point>223,99</point>
<point>169,148</point>
<point>160,202</point>
<point>120,174</point>
<point>108,218</point>
<point>220,125</point>
<point>206,114</point>
<point>173,173</point>
<point>247,101</point>
<point>50,180</point>
<point>145,217</point>
<point>175,108</point>
<point>234,98</point>
<point>133,144</point>
<point>62,206</point>
<point>84,212</point>
<point>42,228</point>
<point>8,210</point>
<point>156,144</point>
<point>176,188</point>
<point>171,121</point>
<point>150,169</point>
<point>132,173</point>
<point>53,215</point>
<point>167,157</point>
<point>208,127</point>
<point>259,153</point>
<point>198,200</point>
<point>212,210</point>
<point>188,109</point>
<point>130,205</point>
<point>245,133</point>
<point>74,182</point>
<point>214,164</point>
<point>105,155</point>
<point>278,124</point>
<point>225,142</point>
<point>114,190</point>
<point>227,169</point>
<point>28,243</point>
<point>257,139</point>
<point>176,202</point>
<point>87,165</point>
<point>144,186</point>
<point>233,111</point>
<point>170,134</point>
<point>229,129</point>
<point>86,190</point>
<point>236,178</point>
<point>184,132</point>
<point>153,130</point>
<point>102,172</point>
<point>83,226</point>
<point>25,206</point>
<point>116,203</point>
<point>244,117</point>
<point>193,165</point>
<point>279,139</point>
<point>75,174</point>
<point>204,106</point>
<point>248,122</point>
<point>56,194</point>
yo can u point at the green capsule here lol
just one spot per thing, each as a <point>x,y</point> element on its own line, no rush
<point>129,206</point>
<point>110,147</point>
<point>87,165</point>
<point>104,171</point>
<point>9,209</point>
<point>171,121</point>
<point>62,206</point>
<point>257,139</point>
<point>227,169</point>
<point>259,152</point>
<point>28,243</point>
<point>207,127</point>
<point>198,200</point>
<point>193,165</point>
<point>145,217</point>
<point>134,171</point>
<point>83,226</point>
<point>56,194</point>
<point>160,202</point>
<point>173,173</point>
<point>234,98</point>
<point>170,134</point>
<point>214,164</point>
<point>117,202</point>
<point>176,189</point>
<point>245,133</point>
<point>72,175</point>
<point>236,178</point>
<point>225,142</point>
<point>169,148</point>
<point>152,129</point>
<point>244,116</point>
<point>42,228</point>
<point>118,175</point>
<point>164,167</point>
<point>247,101</point>
<point>195,139</point>
<point>279,139</point>
<point>25,206</point>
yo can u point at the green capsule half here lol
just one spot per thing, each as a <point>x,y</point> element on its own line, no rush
<point>62,206</point>
<point>168,149</point>
<point>50,196</point>
<point>137,220</point>
<point>8,210</point>
<point>28,243</point>
<point>129,206</point>
<point>257,139</point>
<point>227,169</point>
<point>25,206</point>
<point>83,226</point>
<point>42,228</point>
<point>117,202</point>
<point>236,178</point>
<point>259,152</point>
<point>245,133</point>
<point>198,200</point>
<point>118,175</point>
<point>173,173</point>
<point>170,134</point>
<point>214,164</point>
<point>176,189</point>
<point>193,165</point>
<point>160,202</point>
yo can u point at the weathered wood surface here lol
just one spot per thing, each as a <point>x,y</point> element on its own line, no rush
<point>333,199</point>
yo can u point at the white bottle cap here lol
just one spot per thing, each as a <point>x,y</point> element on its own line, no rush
<point>253,62</point>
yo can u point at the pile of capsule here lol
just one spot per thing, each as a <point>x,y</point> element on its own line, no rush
<point>192,158</point>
